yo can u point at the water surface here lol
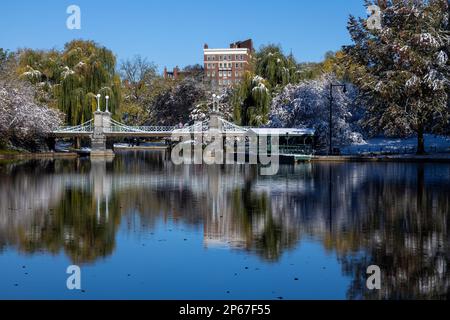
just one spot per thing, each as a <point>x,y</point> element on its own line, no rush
<point>142,228</point>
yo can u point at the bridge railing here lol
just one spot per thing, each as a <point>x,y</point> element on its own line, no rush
<point>139,129</point>
<point>87,127</point>
<point>117,127</point>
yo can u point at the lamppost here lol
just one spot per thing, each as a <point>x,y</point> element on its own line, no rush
<point>107,99</point>
<point>331,112</point>
<point>214,103</point>
<point>98,102</point>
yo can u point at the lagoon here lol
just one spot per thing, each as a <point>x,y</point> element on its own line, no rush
<point>141,227</point>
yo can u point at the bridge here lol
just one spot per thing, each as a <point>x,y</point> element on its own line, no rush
<point>296,142</point>
<point>102,127</point>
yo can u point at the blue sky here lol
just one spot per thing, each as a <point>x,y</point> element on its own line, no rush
<point>172,32</point>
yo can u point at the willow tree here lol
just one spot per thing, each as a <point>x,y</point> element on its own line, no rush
<point>73,77</point>
<point>273,65</point>
<point>251,101</point>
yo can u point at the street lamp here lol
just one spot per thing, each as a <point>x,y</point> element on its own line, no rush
<point>331,112</point>
<point>98,102</point>
<point>107,99</point>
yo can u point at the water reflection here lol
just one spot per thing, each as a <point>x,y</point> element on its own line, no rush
<point>392,215</point>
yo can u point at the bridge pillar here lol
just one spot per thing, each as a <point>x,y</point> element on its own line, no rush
<point>214,121</point>
<point>102,124</point>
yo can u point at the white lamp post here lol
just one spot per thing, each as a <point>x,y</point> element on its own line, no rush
<point>98,102</point>
<point>107,99</point>
<point>214,102</point>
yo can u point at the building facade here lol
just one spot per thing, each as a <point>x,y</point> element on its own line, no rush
<point>171,74</point>
<point>225,67</point>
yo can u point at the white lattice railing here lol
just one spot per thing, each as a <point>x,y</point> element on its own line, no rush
<point>231,127</point>
<point>196,127</point>
<point>86,127</point>
<point>117,127</point>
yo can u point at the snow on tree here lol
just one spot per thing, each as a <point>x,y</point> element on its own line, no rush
<point>203,109</point>
<point>275,67</point>
<point>174,104</point>
<point>306,105</point>
<point>251,101</point>
<point>403,67</point>
<point>24,124</point>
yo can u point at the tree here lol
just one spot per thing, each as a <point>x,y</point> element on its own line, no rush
<point>70,79</point>
<point>24,124</point>
<point>275,67</point>
<point>138,76</point>
<point>3,57</point>
<point>175,102</point>
<point>203,109</point>
<point>251,101</point>
<point>403,67</point>
<point>195,71</point>
<point>306,105</point>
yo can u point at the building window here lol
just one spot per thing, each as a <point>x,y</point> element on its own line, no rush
<point>213,73</point>
<point>229,73</point>
<point>236,74</point>
<point>220,81</point>
<point>220,73</point>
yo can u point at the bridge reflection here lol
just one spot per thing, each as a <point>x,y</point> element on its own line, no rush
<point>392,215</point>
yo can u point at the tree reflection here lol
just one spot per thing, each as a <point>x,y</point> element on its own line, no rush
<point>392,215</point>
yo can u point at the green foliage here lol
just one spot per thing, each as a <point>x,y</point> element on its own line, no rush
<point>3,57</point>
<point>273,65</point>
<point>70,79</point>
<point>333,63</point>
<point>251,101</point>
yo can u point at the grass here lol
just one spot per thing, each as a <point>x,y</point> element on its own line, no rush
<point>9,152</point>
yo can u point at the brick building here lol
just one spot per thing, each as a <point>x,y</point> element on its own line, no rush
<point>225,67</point>
<point>175,74</point>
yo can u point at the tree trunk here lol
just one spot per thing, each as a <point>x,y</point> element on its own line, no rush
<point>420,140</point>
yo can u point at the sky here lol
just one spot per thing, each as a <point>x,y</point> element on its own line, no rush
<point>172,32</point>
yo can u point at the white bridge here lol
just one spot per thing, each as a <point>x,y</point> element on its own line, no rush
<point>102,127</point>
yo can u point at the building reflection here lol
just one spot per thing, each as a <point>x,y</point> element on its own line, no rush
<point>392,215</point>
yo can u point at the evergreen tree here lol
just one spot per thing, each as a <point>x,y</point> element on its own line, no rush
<point>403,67</point>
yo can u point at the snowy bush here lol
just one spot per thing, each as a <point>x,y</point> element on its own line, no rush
<point>306,105</point>
<point>24,124</point>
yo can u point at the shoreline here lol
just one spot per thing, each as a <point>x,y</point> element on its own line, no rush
<point>432,158</point>
<point>38,155</point>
